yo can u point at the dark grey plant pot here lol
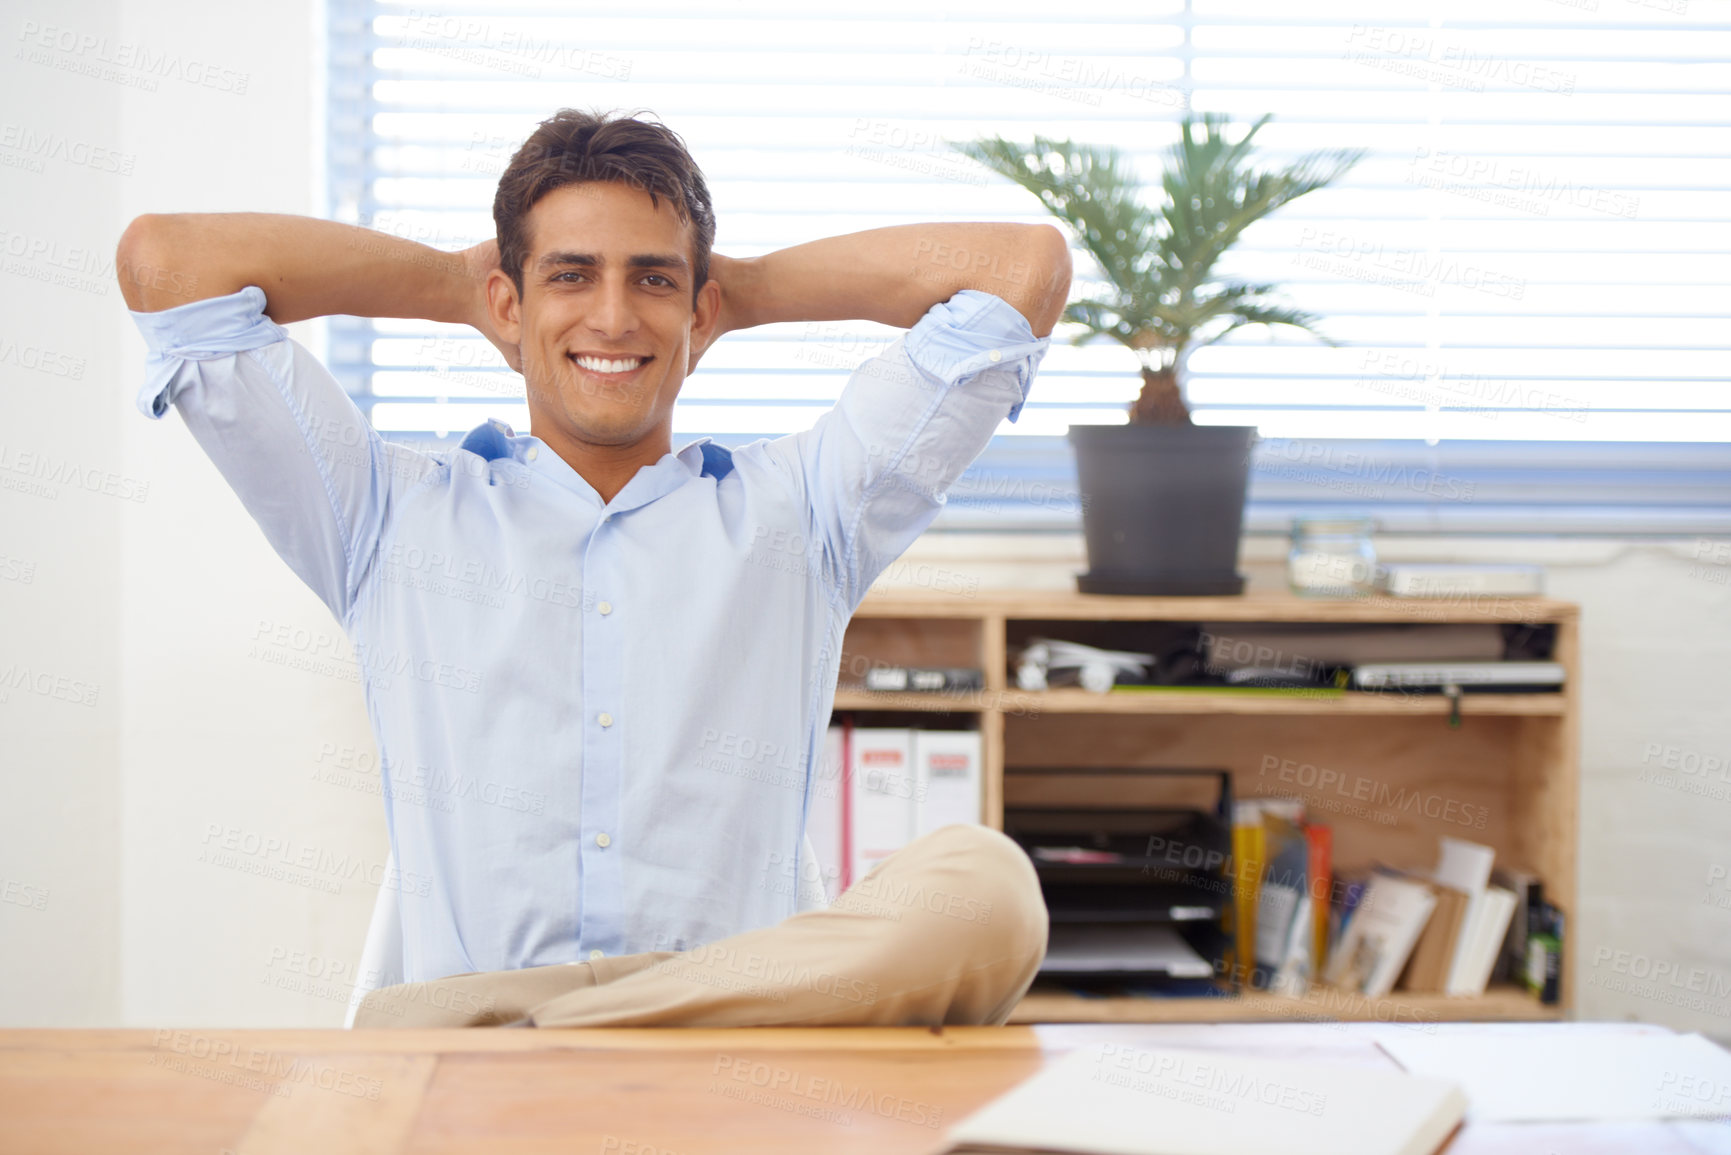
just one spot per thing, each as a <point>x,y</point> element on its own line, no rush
<point>1162,507</point>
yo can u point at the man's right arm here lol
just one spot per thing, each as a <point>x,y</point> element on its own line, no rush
<point>306,267</point>
<point>210,293</point>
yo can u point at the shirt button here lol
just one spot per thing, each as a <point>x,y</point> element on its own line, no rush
<point>995,355</point>
<point>532,452</point>
<point>605,607</point>
<point>596,954</point>
<point>605,718</point>
<point>603,841</point>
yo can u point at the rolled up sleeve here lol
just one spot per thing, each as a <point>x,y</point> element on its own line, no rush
<point>287,438</point>
<point>877,466</point>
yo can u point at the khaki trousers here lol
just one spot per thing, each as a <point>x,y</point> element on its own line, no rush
<point>949,929</point>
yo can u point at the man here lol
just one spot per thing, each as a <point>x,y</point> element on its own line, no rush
<point>574,618</point>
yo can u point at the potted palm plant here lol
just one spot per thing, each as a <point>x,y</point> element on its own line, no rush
<point>1163,498</point>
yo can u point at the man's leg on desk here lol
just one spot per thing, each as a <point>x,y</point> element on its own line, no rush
<point>950,929</point>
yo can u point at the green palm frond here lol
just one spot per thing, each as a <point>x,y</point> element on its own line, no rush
<point>1272,313</point>
<point>1100,318</point>
<point>1212,197</point>
<point>1238,304</point>
<point>1091,189</point>
<point>1166,297</point>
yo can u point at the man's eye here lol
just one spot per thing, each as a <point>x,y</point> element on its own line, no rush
<point>659,277</point>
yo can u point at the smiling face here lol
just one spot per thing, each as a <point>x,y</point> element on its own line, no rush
<point>605,322</point>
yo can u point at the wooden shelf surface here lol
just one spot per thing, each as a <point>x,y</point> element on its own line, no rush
<point>1250,607</point>
<point>1070,701</point>
<point>1320,1003</point>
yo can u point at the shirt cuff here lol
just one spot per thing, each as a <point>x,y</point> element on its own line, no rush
<point>974,331</point>
<point>199,331</point>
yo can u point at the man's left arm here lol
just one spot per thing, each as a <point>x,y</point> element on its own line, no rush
<point>894,275</point>
<point>980,301</point>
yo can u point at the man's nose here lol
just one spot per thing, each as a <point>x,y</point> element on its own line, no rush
<point>614,313</point>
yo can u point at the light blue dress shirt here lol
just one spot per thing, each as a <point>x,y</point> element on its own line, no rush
<point>597,721</point>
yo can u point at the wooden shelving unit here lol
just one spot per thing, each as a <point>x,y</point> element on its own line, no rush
<point>1506,776</point>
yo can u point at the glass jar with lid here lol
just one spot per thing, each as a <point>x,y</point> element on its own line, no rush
<point>1331,557</point>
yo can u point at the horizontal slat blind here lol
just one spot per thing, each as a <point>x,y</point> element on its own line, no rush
<point>1533,251</point>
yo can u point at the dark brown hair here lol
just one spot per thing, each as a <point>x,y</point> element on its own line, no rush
<point>573,147</point>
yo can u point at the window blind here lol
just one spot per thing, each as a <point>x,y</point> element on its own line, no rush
<point>1523,282</point>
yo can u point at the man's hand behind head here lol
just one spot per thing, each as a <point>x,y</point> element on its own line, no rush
<point>479,261</point>
<point>731,275</point>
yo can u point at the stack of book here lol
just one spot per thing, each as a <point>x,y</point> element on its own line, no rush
<point>1449,931</point>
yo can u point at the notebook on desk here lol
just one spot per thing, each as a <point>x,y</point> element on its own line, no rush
<point>1116,1099</point>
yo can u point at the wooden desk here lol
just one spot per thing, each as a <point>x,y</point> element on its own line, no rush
<point>626,1092</point>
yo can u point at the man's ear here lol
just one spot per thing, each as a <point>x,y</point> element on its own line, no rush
<point>504,308</point>
<point>706,321</point>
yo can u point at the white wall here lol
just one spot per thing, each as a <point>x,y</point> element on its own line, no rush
<point>60,556</point>
<point>156,600</point>
<point>110,808</point>
<point>219,744</point>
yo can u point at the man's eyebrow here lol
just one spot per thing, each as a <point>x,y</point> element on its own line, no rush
<point>594,260</point>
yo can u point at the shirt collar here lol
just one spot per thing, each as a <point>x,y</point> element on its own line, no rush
<point>495,439</point>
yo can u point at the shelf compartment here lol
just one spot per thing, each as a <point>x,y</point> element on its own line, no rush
<point>874,643</point>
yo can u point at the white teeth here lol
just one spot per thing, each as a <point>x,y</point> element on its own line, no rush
<point>601,365</point>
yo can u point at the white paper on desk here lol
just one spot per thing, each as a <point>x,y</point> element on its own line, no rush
<point>1116,1099</point>
<point>1568,1075</point>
